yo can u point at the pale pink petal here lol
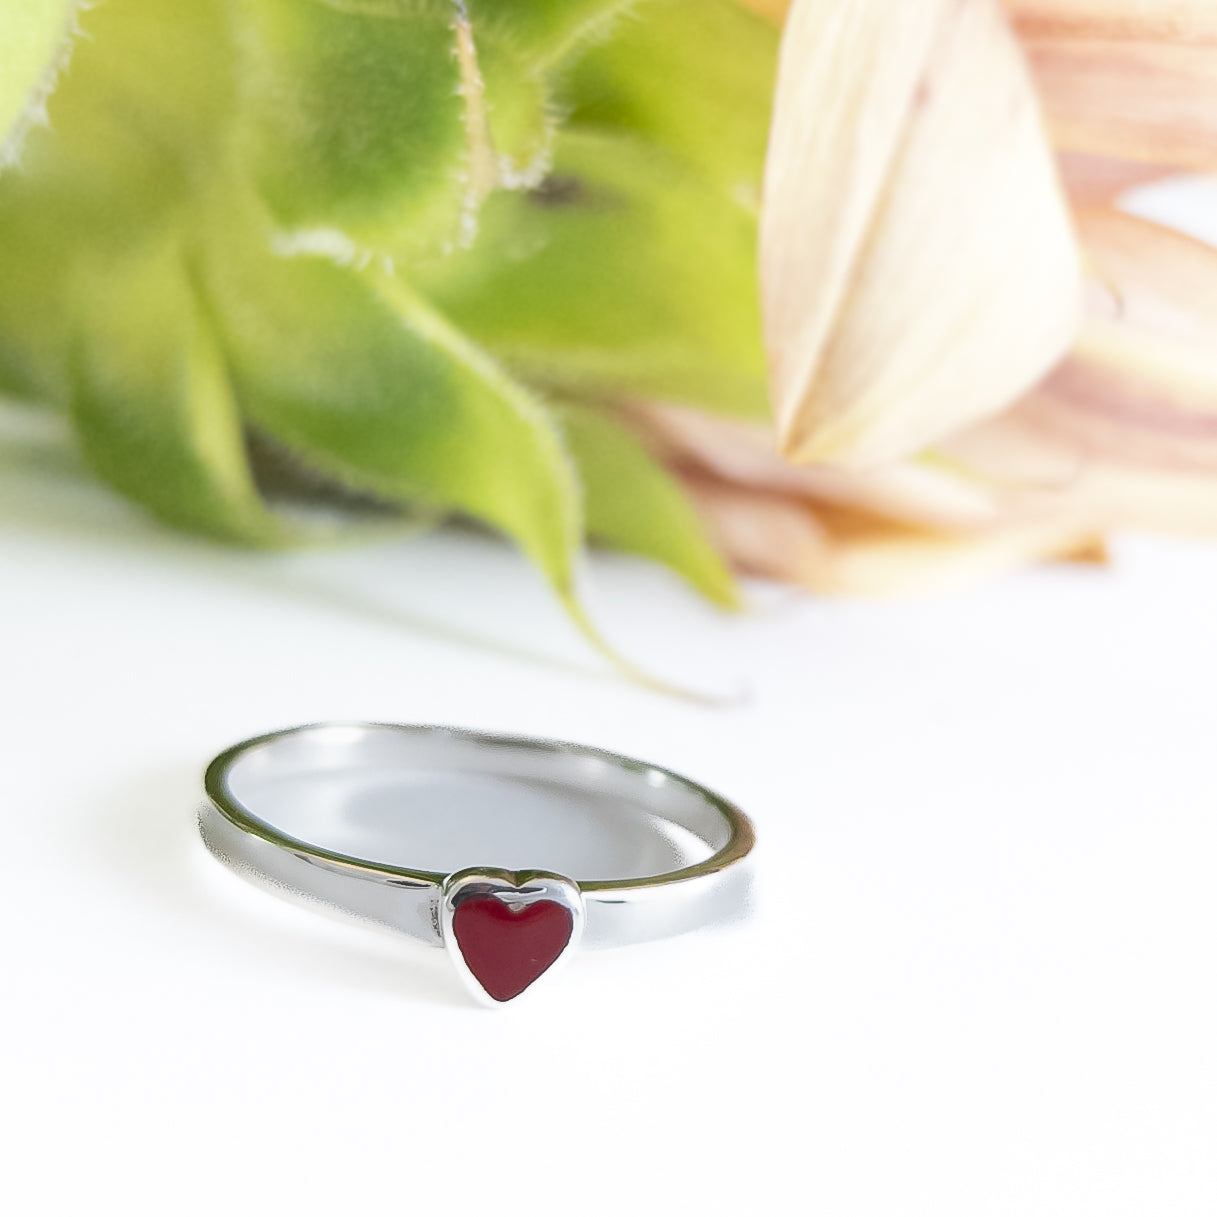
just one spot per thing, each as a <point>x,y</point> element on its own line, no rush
<point>1154,102</point>
<point>761,534</point>
<point>745,455</point>
<point>1148,351</point>
<point>1125,431</point>
<point>830,552</point>
<point>1167,20</point>
<point>1093,181</point>
<point>1048,460</point>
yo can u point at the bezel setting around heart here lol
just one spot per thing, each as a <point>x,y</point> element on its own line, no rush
<point>499,957</point>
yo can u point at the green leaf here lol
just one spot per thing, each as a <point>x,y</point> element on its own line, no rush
<point>35,295</point>
<point>520,117</point>
<point>139,124</point>
<point>548,29</point>
<point>632,503</point>
<point>623,275</point>
<point>34,36</point>
<point>353,116</point>
<point>137,134</point>
<point>514,47</point>
<point>146,288</point>
<point>695,77</point>
<point>369,385</point>
<point>151,400</point>
<point>391,120</point>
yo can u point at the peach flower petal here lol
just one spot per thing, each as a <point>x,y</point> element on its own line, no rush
<point>1125,431</point>
<point>1091,181</point>
<point>1154,102</point>
<point>784,538</point>
<point>1148,351</point>
<point>1159,20</point>
<point>745,455</point>
<point>761,534</point>
<point>918,265</point>
<point>1054,461</point>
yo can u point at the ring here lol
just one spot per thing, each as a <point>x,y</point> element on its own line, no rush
<point>387,789</point>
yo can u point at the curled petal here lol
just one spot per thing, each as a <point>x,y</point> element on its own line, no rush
<point>1167,20</point>
<point>918,266</point>
<point>1154,102</point>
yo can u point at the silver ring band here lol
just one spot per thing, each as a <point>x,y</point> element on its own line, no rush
<point>245,781</point>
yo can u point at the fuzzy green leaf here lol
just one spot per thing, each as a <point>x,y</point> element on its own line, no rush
<point>139,122</point>
<point>151,400</point>
<point>693,76</point>
<point>353,116</point>
<point>520,117</point>
<point>391,120</point>
<point>33,40</point>
<point>192,249</point>
<point>548,29</point>
<point>623,275</point>
<point>366,383</point>
<point>136,137</point>
<point>633,504</point>
<point>34,295</point>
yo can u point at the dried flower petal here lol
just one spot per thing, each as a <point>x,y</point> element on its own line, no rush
<point>827,551</point>
<point>1153,317</point>
<point>1125,431</point>
<point>762,534</point>
<point>1091,181</point>
<point>744,455</point>
<point>1174,20</point>
<point>1140,101</point>
<point>918,265</point>
<point>893,561</point>
<point>1056,468</point>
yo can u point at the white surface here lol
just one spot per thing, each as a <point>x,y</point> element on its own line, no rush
<point>980,980</point>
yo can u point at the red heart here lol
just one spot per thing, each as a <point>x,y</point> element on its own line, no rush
<point>506,948</point>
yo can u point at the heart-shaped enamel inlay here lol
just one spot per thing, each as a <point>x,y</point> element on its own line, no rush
<point>507,948</point>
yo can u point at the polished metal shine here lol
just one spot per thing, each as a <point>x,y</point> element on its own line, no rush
<point>243,780</point>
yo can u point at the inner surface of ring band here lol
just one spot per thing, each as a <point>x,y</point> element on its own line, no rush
<point>395,796</point>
